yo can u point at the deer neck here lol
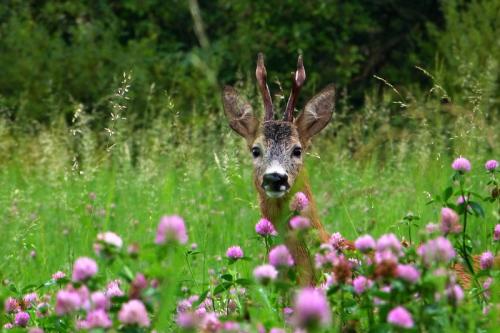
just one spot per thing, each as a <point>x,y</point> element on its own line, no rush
<point>277,210</point>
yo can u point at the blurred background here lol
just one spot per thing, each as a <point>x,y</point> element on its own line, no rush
<point>81,79</point>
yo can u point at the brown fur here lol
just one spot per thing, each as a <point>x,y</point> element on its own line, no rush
<point>273,145</point>
<point>272,209</point>
<point>464,276</point>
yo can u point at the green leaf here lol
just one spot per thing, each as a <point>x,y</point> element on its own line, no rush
<point>227,277</point>
<point>29,288</point>
<point>475,194</point>
<point>244,282</point>
<point>447,193</point>
<point>382,295</point>
<point>476,208</point>
<point>222,287</point>
<point>13,288</point>
<point>127,274</point>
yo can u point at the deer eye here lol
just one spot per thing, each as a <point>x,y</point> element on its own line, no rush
<point>255,152</point>
<point>297,152</point>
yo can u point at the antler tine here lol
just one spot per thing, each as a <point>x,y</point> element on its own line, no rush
<point>298,82</point>
<point>260,73</point>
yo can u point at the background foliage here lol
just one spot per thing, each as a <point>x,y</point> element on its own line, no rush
<point>57,53</point>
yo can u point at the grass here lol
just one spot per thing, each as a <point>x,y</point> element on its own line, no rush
<point>51,212</point>
<point>64,184</point>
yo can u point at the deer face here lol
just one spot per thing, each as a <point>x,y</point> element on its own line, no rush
<point>277,157</point>
<point>277,147</point>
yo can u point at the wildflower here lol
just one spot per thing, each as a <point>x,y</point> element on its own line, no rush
<point>287,314</point>
<point>22,319</point>
<point>58,275</point>
<point>408,273</point>
<point>99,301</point>
<point>386,264</point>
<point>138,285</point>
<point>97,319</point>
<point>265,273</point>
<point>211,323</point>
<point>299,202</point>
<point>385,256</point>
<point>171,229</point>
<point>187,320</point>
<point>265,228</point>
<point>486,260</point>
<point>431,228</point>
<point>486,286</point>
<point>437,250</point>
<point>8,326</point>
<point>42,309</point>
<point>311,308</point>
<point>30,299</point>
<point>134,313</point>
<point>455,294</point>
<point>462,199</point>
<point>389,242</point>
<point>32,253</point>
<point>184,305</point>
<point>491,165</point>
<point>83,269</point>
<point>365,243</point>
<point>399,316</point>
<point>360,284</point>
<point>11,305</point>
<point>234,253</point>
<point>450,221</point>
<point>342,269</point>
<point>67,301</point>
<point>496,233</point>
<point>327,259</point>
<point>337,241</point>
<point>279,256</point>
<point>113,289</point>
<point>330,280</point>
<point>300,223</point>
<point>231,305</point>
<point>110,238</point>
<point>461,164</point>
<point>277,330</point>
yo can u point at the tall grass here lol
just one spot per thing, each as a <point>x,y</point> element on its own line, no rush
<point>367,171</point>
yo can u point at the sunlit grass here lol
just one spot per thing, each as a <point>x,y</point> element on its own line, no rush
<point>57,218</point>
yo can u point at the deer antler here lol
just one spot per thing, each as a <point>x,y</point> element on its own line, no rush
<point>260,73</point>
<point>298,81</point>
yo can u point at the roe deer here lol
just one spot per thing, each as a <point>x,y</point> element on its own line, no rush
<point>277,148</point>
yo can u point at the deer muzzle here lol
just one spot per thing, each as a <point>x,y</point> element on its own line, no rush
<point>275,184</point>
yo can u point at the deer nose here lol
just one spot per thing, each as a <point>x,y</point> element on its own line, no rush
<point>275,182</point>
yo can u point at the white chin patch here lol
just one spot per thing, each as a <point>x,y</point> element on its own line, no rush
<point>275,195</point>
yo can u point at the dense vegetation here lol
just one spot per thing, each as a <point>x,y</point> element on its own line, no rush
<point>110,117</point>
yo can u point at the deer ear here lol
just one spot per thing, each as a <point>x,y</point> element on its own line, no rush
<point>239,114</point>
<point>317,114</point>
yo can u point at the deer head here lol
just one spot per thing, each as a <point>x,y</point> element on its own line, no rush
<point>277,146</point>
